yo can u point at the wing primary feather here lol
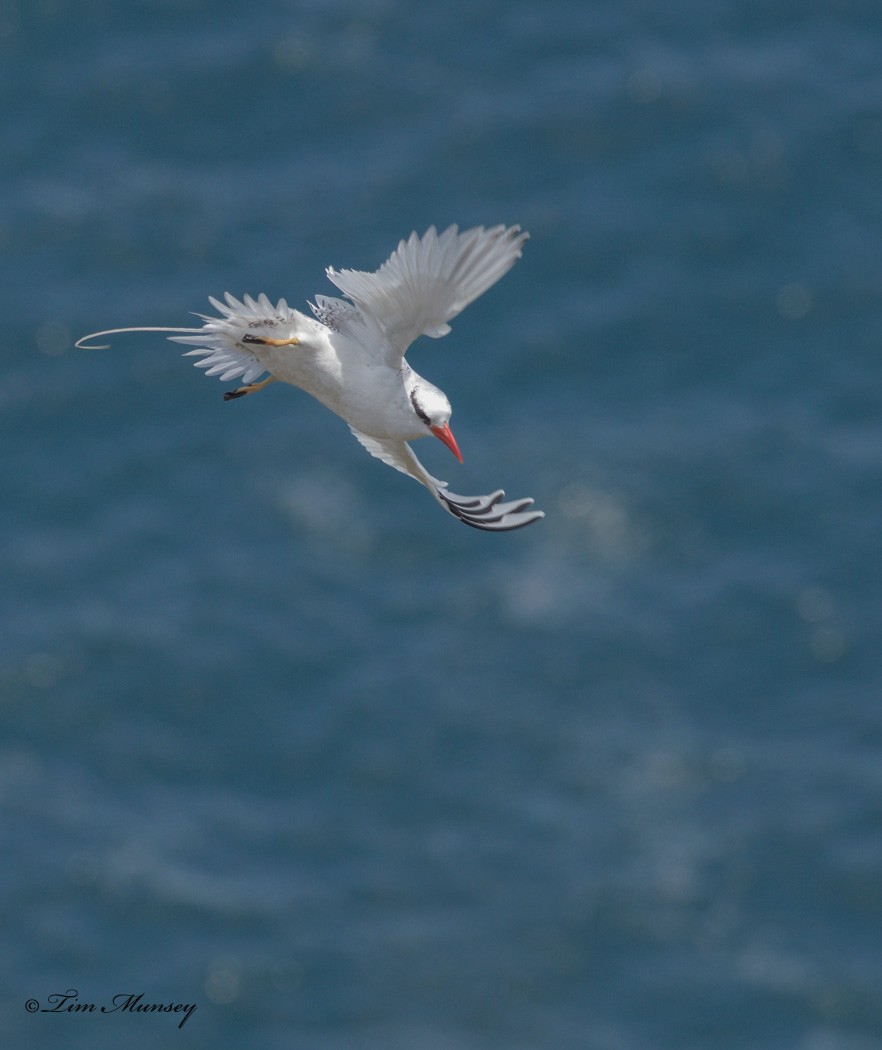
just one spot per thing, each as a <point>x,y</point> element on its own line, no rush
<point>429,280</point>
<point>479,512</point>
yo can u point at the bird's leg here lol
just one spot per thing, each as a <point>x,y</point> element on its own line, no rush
<point>265,340</point>
<point>261,340</point>
<point>251,388</point>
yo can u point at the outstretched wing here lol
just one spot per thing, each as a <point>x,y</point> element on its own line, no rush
<point>481,512</point>
<point>426,282</point>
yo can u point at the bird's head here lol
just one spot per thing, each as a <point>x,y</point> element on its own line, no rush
<point>433,410</point>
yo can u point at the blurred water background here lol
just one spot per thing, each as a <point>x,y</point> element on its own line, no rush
<point>281,739</point>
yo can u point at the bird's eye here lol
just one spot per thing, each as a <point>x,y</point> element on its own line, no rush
<point>419,409</point>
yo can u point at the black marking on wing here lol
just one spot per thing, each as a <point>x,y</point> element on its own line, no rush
<point>487,513</point>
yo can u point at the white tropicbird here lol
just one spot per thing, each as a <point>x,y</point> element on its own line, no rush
<point>351,357</point>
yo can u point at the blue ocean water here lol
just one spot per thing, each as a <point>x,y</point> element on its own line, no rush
<point>280,739</point>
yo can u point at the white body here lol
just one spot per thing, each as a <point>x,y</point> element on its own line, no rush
<point>370,395</point>
<point>350,355</point>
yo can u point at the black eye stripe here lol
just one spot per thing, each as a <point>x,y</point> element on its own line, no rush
<point>418,409</point>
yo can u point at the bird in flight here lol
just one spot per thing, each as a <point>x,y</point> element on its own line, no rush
<point>350,354</point>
